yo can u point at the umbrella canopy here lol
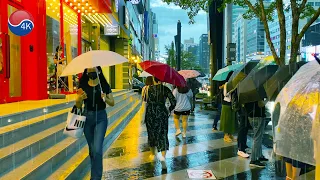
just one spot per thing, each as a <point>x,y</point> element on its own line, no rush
<point>298,130</point>
<point>251,88</point>
<point>274,85</point>
<point>164,73</point>
<point>92,59</point>
<point>240,74</point>
<point>145,74</point>
<point>189,73</point>
<point>202,74</point>
<point>222,74</point>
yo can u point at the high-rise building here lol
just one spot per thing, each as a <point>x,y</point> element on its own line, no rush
<point>155,39</point>
<point>188,42</point>
<point>193,49</point>
<point>255,39</point>
<point>204,54</point>
<point>240,38</point>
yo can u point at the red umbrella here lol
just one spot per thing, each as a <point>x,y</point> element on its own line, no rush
<point>164,73</point>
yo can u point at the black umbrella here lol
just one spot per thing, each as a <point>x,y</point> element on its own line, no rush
<point>240,74</point>
<point>201,74</point>
<point>251,88</point>
<point>274,85</point>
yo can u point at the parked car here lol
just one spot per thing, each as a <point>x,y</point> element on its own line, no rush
<point>137,85</point>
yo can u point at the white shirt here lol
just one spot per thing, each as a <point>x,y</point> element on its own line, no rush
<point>183,100</point>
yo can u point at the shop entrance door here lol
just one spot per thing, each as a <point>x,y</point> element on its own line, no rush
<point>10,57</point>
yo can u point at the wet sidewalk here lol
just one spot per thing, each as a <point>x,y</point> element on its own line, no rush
<point>203,149</point>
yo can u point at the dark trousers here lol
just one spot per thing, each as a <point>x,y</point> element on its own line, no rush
<point>94,131</point>
<point>243,130</point>
<point>217,118</point>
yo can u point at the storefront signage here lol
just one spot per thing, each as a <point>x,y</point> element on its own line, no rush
<point>126,18</point>
<point>111,30</point>
<point>21,23</point>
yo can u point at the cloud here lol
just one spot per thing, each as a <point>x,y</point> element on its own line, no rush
<point>161,4</point>
<point>168,16</point>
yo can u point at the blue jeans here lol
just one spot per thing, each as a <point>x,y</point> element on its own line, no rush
<point>94,131</point>
<point>258,125</point>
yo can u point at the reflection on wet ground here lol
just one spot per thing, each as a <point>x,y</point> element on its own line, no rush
<point>203,149</point>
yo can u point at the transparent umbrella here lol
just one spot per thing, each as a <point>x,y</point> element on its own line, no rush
<point>297,132</point>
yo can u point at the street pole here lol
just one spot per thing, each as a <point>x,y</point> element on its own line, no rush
<point>229,29</point>
<point>178,45</point>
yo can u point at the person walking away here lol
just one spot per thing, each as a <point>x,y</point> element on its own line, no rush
<point>256,115</point>
<point>194,85</point>
<point>183,96</point>
<point>95,99</point>
<point>148,82</point>
<point>157,117</point>
<point>228,123</point>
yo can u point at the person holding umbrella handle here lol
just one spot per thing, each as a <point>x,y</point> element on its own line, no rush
<point>95,92</point>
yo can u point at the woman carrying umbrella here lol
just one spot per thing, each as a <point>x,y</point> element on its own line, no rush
<point>95,97</point>
<point>157,117</point>
<point>228,123</point>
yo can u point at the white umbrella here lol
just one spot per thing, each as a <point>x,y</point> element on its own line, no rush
<point>93,59</point>
<point>145,74</point>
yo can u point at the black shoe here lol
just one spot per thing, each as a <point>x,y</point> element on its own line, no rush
<point>215,128</point>
<point>257,164</point>
<point>263,159</point>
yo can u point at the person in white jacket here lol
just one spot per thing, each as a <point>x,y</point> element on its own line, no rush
<point>183,108</point>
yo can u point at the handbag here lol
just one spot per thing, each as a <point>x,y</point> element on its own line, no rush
<point>144,103</point>
<point>75,123</point>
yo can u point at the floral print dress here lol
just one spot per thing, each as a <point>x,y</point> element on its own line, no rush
<point>157,116</point>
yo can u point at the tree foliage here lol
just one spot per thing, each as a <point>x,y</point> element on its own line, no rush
<point>265,12</point>
<point>188,60</point>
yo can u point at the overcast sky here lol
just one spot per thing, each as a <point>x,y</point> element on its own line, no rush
<point>168,16</point>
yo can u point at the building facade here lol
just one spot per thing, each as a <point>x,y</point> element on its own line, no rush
<point>77,26</point>
<point>255,40</point>
<point>194,50</point>
<point>240,38</point>
<point>204,54</point>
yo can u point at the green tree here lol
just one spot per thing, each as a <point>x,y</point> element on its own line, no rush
<point>265,13</point>
<point>188,60</point>
<point>170,52</point>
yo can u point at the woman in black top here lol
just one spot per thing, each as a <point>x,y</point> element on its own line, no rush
<point>95,100</point>
<point>157,117</point>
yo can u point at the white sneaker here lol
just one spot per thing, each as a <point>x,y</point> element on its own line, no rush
<point>178,132</point>
<point>184,135</point>
<point>243,154</point>
<point>163,162</point>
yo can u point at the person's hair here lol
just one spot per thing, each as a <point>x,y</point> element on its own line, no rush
<point>183,90</point>
<point>229,75</point>
<point>85,78</point>
<point>58,48</point>
<point>149,81</point>
<point>156,80</point>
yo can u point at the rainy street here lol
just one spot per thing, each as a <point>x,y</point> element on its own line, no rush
<point>203,149</point>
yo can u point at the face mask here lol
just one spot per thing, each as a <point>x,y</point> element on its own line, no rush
<point>92,75</point>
